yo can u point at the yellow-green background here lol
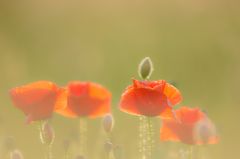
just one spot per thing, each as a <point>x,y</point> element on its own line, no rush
<point>195,43</point>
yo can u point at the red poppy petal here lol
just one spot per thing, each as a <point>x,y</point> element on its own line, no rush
<point>29,94</point>
<point>190,115</point>
<point>192,127</point>
<point>85,99</point>
<point>167,134</point>
<point>61,101</point>
<point>35,99</point>
<point>101,111</point>
<point>213,140</point>
<point>173,94</point>
<point>167,113</point>
<point>61,104</point>
<point>99,92</point>
<point>127,103</point>
<point>67,112</point>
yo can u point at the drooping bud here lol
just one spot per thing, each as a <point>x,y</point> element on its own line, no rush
<point>16,154</point>
<point>145,68</point>
<point>108,123</point>
<point>47,134</point>
<point>108,146</point>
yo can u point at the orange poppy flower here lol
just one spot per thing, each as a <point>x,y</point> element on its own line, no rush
<point>191,126</point>
<point>150,98</point>
<point>36,100</point>
<point>84,99</point>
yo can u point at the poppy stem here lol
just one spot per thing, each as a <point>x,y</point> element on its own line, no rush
<point>83,136</point>
<point>141,138</point>
<point>66,154</point>
<point>190,152</point>
<point>150,137</point>
<point>49,152</point>
<point>47,137</point>
<point>145,137</point>
<point>203,152</point>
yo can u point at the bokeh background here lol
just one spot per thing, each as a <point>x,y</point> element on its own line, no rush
<point>193,43</point>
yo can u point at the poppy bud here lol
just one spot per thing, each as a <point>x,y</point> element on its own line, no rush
<point>9,143</point>
<point>108,123</point>
<point>118,152</point>
<point>16,154</point>
<point>108,146</point>
<point>47,134</point>
<point>66,144</point>
<point>145,68</point>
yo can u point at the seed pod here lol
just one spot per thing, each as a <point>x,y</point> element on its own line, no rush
<point>108,123</point>
<point>16,154</point>
<point>47,134</point>
<point>145,68</point>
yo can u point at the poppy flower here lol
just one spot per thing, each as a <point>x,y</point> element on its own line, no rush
<point>36,100</point>
<point>150,98</point>
<point>191,126</point>
<point>84,99</point>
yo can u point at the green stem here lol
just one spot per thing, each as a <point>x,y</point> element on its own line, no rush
<point>66,155</point>
<point>108,155</point>
<point>146,137</point>
<point>83,136</point>
<point>49,152</point>
<point>141,137</point>
<point>149,137</point>
<point>191,152</point>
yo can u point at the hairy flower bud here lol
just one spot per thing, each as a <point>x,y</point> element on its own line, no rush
<point>47,134</point>
<point>145,68</point>
<point>16,154</point>
<point>108,123</point>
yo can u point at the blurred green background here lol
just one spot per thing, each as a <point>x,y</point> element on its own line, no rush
<point>194,43</point>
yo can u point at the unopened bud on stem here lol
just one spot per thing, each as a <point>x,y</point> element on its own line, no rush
<point>145,68</point>
<point>108,123</point>
<point>16,154</point>
<point>47,134</point>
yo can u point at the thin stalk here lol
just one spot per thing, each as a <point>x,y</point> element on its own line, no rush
<point>190,152</point>
<point>45,141</point>
<point>82,136</point>
<point>145,137</point>
<point>49,152</point>
<point>150,141</point>
<point>66,154</point>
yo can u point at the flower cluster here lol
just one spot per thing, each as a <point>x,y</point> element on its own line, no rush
<point>39,100</point>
